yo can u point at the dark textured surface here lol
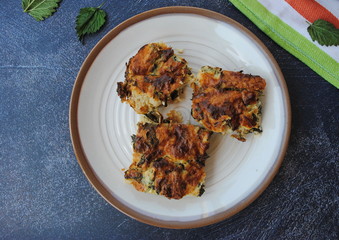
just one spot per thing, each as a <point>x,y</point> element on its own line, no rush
<point>43,192</point>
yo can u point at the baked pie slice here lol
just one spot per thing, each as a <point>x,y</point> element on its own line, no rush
<point>228,102</point>
<point>169,159</point>
<point>154,77</point>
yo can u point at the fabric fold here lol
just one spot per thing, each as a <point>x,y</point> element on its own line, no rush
<point>288,28</point>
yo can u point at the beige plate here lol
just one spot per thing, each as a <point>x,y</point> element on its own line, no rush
<point>101,126</point>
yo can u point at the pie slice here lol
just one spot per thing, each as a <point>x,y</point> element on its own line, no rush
<point>169,159</point>
<point>153,77</point>
<point>228,102</point>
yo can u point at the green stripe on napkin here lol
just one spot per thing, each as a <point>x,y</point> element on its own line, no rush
<point>290,39</point>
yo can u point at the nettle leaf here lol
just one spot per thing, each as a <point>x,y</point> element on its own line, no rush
<point>40,9</point>
<point>89,20</point>
<point>324,32</point>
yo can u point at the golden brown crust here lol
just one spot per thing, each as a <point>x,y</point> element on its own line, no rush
<point>169,159</point>
<point>153,77</point>
<point>225,101</point>
<point>218,78</point>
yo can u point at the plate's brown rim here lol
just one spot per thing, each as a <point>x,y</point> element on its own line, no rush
<point>88,171</point>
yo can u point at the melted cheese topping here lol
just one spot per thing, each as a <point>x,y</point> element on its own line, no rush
<point>221,79</point>
<point>169,159</point>
<point>228,102</point>
<point>153,77</point>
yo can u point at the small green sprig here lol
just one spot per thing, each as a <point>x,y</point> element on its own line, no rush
<point>325,33</point>
<point>89,20</point>
<point>40,9</point>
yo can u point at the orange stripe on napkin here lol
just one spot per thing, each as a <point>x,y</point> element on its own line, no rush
<point>312,10</point>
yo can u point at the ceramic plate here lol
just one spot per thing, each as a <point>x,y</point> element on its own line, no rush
<point>101,126</point>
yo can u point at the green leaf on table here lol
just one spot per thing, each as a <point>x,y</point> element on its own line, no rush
<point>89,20</point>
<point>40,9</point>
<point>324,32</point>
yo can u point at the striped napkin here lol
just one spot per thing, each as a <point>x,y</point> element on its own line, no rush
<point>286,22</point>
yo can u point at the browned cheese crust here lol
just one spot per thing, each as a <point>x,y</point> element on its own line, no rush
<point>169,159</point>
<point>228,102</point>
<point>153,77</point>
